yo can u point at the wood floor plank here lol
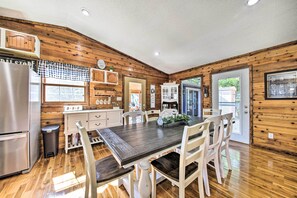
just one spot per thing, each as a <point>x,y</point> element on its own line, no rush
<point>256,173</point>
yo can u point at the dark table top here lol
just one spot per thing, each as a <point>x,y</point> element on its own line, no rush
<point>133,142</point>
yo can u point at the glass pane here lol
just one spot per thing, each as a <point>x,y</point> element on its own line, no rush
<point>135,96</point>
<point>190,102</point>
<point>63,82</point>
<point>64,94</point>
<point>229,99</point>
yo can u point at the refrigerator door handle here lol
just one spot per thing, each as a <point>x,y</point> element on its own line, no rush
<point>12,137</point>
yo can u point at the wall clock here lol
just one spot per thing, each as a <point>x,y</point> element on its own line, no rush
<point>101,64</point>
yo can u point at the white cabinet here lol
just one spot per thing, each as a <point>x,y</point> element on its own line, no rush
<point>71,121</point>
<point>169,93</point>
<point>91,120</point>
<point>19,43</point>
<point>114,118</point>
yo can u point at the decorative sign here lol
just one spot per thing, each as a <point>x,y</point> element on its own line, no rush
<point>19,61</point>
<point>153,96</point>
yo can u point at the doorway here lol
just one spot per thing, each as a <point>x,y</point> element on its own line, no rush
<point>191,97</point>
<point>134,94</point>
<point>230,93</point>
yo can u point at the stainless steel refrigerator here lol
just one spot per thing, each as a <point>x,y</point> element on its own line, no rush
<point>19,118</point>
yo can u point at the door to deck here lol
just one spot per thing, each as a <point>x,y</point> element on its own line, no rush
<point>230,93</point>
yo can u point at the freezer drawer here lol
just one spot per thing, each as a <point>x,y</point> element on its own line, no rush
<point>13,153</point>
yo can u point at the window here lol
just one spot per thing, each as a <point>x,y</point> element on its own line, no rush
<point>56,90</point>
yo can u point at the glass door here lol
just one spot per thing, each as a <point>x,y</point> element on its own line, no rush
<point>192,102</point>
<point>230,93</point>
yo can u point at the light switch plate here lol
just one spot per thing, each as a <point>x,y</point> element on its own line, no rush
<point>270,136</point>
<point>119,98</point>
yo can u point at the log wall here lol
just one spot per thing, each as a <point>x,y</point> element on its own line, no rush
<point>64,45</point>
<point>276,116</point>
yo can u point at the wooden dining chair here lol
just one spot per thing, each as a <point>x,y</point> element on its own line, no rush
<point>182,169</point>
<point>211,112</point>
<point>152,115</point>
<point>168,112</point>
<point>103,171</point>
<point>133,115</point>
<point>227,118</point>
<point>212,151</point>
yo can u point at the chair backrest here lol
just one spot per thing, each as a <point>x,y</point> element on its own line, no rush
<point>228,119</point>
<point>152,115</point>
<point>88,153</point>
<point>211,112</point>
<point>188,144</point>
<point>133,115</point>
<point>168,112</point>
<point>218,132</point>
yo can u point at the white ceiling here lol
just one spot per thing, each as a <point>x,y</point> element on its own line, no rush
<point>186,33</point>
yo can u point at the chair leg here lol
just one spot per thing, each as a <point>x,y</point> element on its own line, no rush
<point>87,187</point>
<point>181,190</point>
<point>217,168</point>
<point>221,163</point>
<point>93,190</point>
<point>137,171</point>
<point>131,185</point>
<point>154,184</point>
<point>228,157</point>
<point>205,178</point>
<point>200,186</point>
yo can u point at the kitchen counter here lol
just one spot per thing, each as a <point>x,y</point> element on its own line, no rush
<point>91,111</point>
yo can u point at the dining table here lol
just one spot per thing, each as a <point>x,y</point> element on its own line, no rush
<point>138,143</point>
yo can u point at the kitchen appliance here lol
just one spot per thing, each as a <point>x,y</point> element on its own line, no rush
<point>19,118</point>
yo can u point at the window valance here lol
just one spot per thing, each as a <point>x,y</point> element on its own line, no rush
<point>63,71</point>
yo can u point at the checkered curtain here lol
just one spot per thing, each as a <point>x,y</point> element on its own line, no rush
<point>50,69</point>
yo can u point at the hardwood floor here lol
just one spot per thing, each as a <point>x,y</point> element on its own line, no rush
<point>256,173</point>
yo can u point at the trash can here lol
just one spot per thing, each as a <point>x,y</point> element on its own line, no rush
<point>50,140</point>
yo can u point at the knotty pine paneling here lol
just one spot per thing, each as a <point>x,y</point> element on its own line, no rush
<point>267,116</point>
<point>61,44</point>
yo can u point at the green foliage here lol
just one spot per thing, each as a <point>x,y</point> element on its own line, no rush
<point>177,118</point>
<point>230,82</point>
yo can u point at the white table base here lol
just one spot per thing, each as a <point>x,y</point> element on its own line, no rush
<point>143,187</point>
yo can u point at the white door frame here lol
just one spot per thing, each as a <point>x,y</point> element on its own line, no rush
<point>243,75</point>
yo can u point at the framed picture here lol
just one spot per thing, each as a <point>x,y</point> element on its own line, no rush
<point>281,85</point>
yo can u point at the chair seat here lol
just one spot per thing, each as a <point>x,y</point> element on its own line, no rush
<point>108,169</point>
<point>168,165</point>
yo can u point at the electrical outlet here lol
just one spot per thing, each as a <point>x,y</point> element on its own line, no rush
<point>270,136</point>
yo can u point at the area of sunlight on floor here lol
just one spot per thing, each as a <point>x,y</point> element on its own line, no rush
<point>69,180</point>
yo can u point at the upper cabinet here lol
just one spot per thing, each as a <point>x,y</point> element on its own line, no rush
<point>20,41</point>
<point>169,92</point>
<point>19,44</point>
<point>105,77</point>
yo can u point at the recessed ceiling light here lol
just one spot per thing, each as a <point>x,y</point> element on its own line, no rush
<point>252,2</point>
<point>157,53</point>
<point>85,12</point>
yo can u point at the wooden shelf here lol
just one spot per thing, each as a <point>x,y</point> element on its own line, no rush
<point>104,77</point>
<point>105,93</point>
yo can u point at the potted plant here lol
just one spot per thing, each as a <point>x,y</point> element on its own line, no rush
<point>111,68</point>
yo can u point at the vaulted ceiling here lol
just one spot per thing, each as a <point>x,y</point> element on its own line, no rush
<point>186,33</point>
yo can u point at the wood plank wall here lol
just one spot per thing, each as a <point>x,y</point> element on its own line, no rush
<point>67,46</point>
<point>275,116</point>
